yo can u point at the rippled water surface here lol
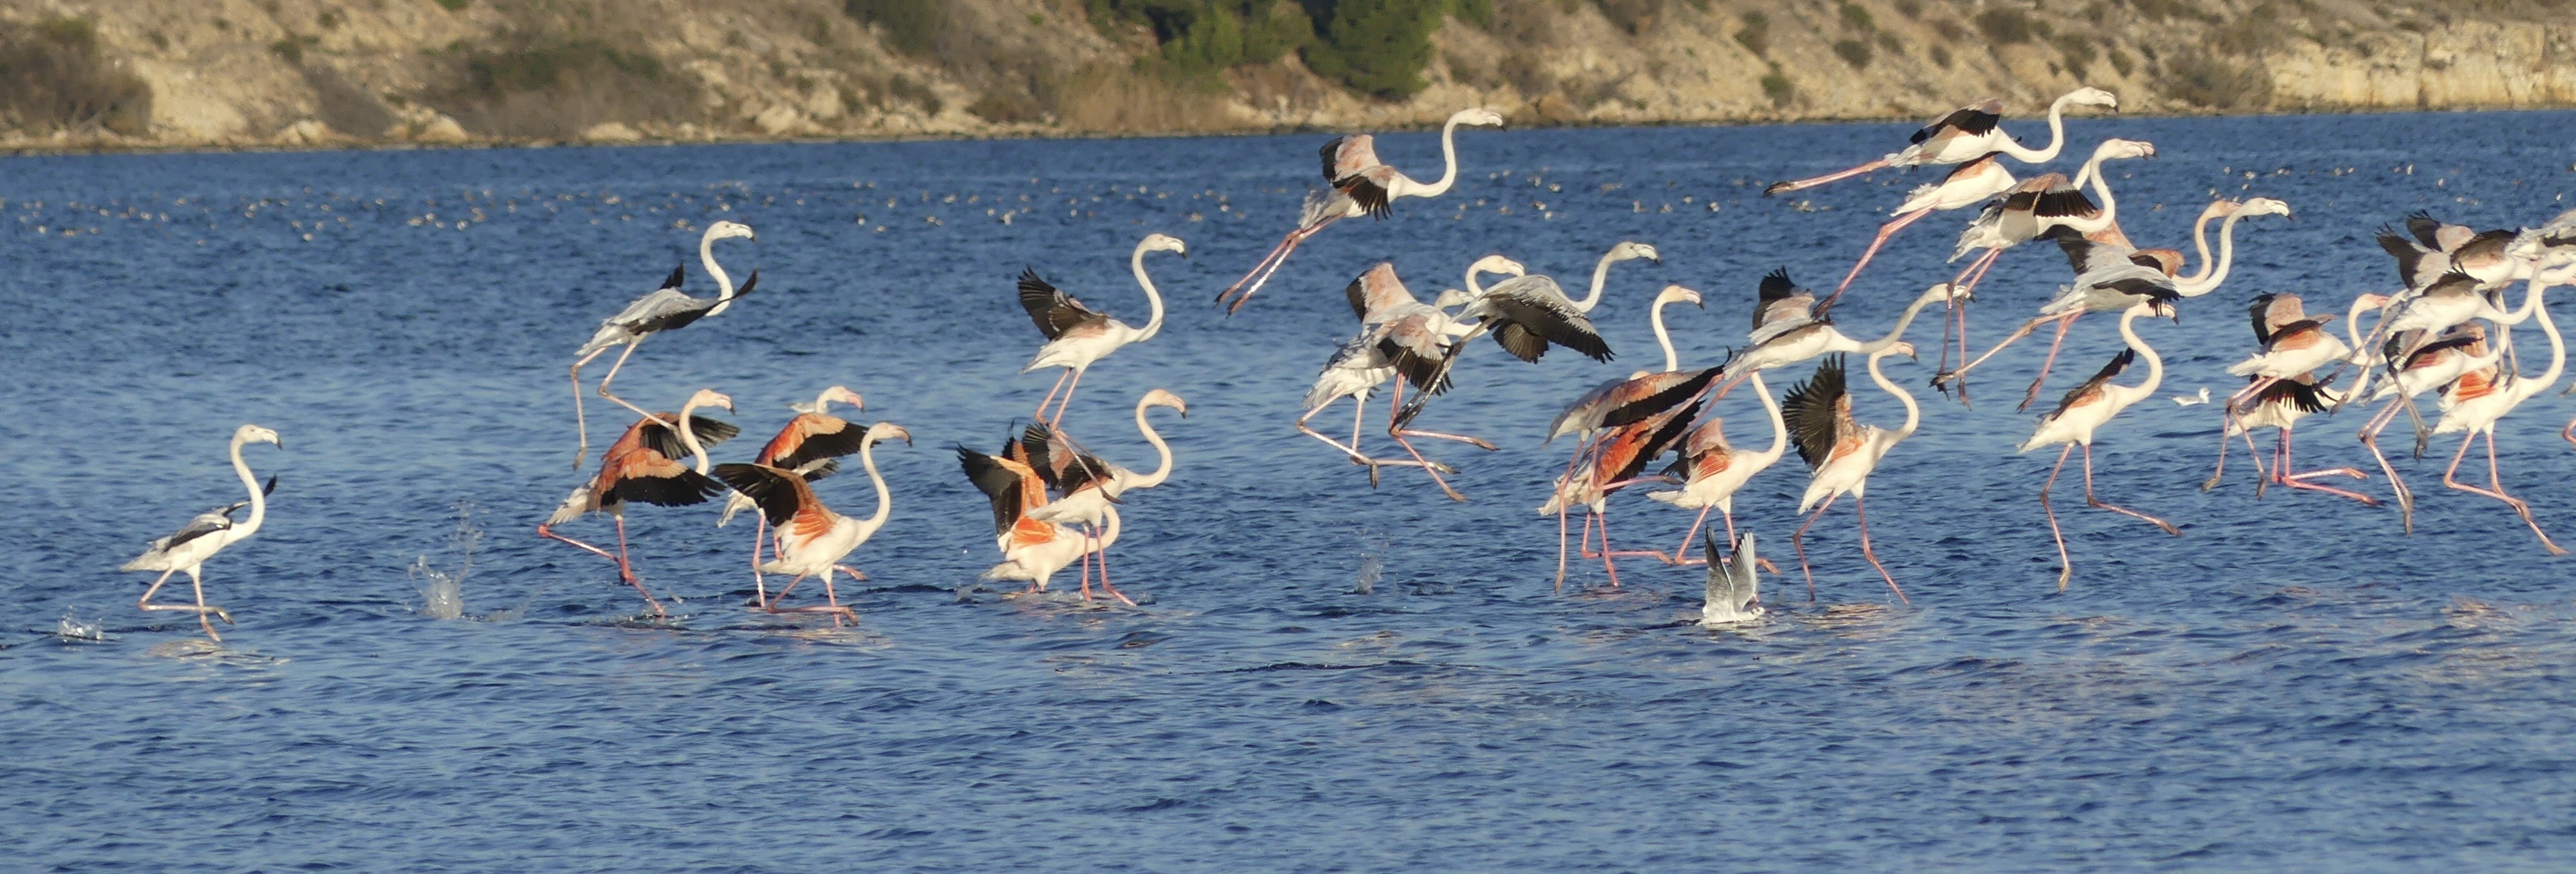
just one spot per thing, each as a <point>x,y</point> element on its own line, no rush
<point>2290,684</point>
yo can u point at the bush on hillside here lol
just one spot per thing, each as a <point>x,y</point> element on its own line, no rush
<point>52,75</point>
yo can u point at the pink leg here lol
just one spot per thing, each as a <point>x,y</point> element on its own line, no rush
<point>612,377</point>
<point>2065,563</point>
<point>627,568</point>
<point>1050,395</point>
<point>1943,380</point>
<point>2370,438</point>
<point>2300,480</point>
<point>2089,500</point>
<point>759,535</point>
<point>578,421</point>
<point>1682,554</point>
<point>2063,322</point>
<point>1560,546</point>
<point>2215,476</point>
<point>1797,543</point>
<point>1884,232</point>
<point>1860,504</point>
<point>2495,481</point>
<point>1837,176</point>
<point>1260,274</point>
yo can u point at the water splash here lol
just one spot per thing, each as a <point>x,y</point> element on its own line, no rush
<point>73,628</point>
<point>442,592</point>
<point>1372,562</point>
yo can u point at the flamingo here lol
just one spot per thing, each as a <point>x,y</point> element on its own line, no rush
<point>1968,134</point>
<point>2038,206</point>
<point>2461,355</point>
<point>1713,471</point>
<point>186,550</point>
<point>1361,185</point>
<point>2086,409</point>
<point>805,447</point>
<point>2209,276</point>
<point>1077,336</point>
<point>2280,406</point>
<point>639,467</point>
<point>2474,411</point>
<point>1399,337</point>
<point>1107,483</point>
<point>1840,453</point>
<point>1630,418</point>
<point>1031,550</point>
<point>2292,343</point>
<point>665,309</point>
<point>1734,593</point>
<point>1787,341</point>
<point>1528,313</point>
<point>1616,459</point>
<point>1967,185</point>
<point>812,539</point>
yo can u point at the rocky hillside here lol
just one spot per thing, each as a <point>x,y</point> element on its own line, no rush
<point>190,73</point>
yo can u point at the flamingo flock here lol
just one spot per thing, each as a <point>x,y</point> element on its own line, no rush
<point>2445,332</point>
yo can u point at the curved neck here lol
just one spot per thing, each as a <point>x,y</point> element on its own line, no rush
<point>1664,338</point>
<point>1600,278</point>
<point>1108,533</point>
<point>2530,304</point>
<point>1153,298</point>
<point>1162,453</point>
<point>2056,138</point>
<point>2352,328</point>
<point>823,403</point>
<point>707,259</point>
<point>689,438</point>
<point>1448,162</point>
<point>1913,414</point>
<point>885,499</point>
<point>2155,363</point>
<point>1779,426</point>
<point>2207,278</point>
<point>2527,388</point>
<point>1902,322</point>
<point>2101,189</point>
<point>259,501</point>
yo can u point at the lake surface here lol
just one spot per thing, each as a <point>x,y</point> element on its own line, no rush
<point>1323,676</point>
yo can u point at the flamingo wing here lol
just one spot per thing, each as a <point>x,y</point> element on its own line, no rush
<point>1543,315</point>
<point>653,478</point>
<point>1818,412</point>
<point>811,437</point>
<point>1416,351</point>
<point>1375,292</point>
<point>1347,156</point>
<point>1780,305</point>
<point>1007,484</point>
<point>778,493</point>
<point>1976,119</point>
<point>1055,312</point>
<point>650,434</point>
<point>2090,390</point>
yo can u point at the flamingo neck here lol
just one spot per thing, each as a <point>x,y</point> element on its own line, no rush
<point>724,282</point>
<point>1153,298</point>
<point>2056,138</point>
<point>1779,426</point>
<point>689,437</point>
<point>1448,164</point>
<point>2526,388</point>
<point>2530,304</point>
<point>885,499</point>
<point>1600,278</point>
<point>2110,214</point>
<point>1162,453</point>
<point>1913,414</point>
<point>2203,281</point>
<point>258,500</point>
<point>1902,322</point>
<point>1664,338</point>
<point>2155,362</point>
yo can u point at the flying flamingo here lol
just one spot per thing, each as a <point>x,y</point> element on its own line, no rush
<point>2280,407</point>
<point>1400,337</point>
<point>640,467</point>
<point>2086,409</point>
<point>2476,414</point>
<point>186,550</point>
<point>2462,355</point>
<point>1077,336</point>
<point>1617,458</point>
<point>812,539</point>
<point>1361,185</point>
<point>1108,483</point>
<point>1968,134</point>
<point>2037,207</point>
<point>2292,342</point>
<point>2110,278</point>
<point>1790,341</point>
<point>1643,393</point>
<point>2209,276</point>
<point>1713,471</point>
<point>1526,314</point>
<point>1967,185</point>
<point>666,309</point>
<point>1840,452</point>
<point>1624,424</point>
<point>805,447</point>
<point>1031,550</point>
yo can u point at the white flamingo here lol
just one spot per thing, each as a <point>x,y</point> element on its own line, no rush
<point>666,309</point>
<point>186,550</point>
<point>1077,336</point>
<point>812,540</point>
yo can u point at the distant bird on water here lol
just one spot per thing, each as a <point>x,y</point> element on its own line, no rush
<point>666,309</point>
<point>187,550</point>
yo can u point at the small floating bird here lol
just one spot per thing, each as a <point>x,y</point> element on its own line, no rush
<point>2083,411</point>
<point>666,309</point>
<point>2192,400</point>
<point>1842,453</point>
<point>641,466</point>
<point>1734,584</point>
<point>1077,336</point>
<point>812,540</point>
<point>1361,185</point>
<point>186,550</point>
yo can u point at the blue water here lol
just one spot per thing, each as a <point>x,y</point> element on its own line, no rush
<point>2292,684</point>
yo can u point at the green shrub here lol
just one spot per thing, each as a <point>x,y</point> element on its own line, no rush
<point>911,26</point>
<point>1853,52</point>
<point>1756,34</point>
<point>1777,87</point>
<point>1634,16</point>
<point>453,5</point>
<point>1857,17</point>
<point>1377,47</point>
<point>2204,80</point>
<point>2005,25</point>
<point>2078,50</point>
<point>542,66</point>
<point>1909,8</point>
<point>53,76</point>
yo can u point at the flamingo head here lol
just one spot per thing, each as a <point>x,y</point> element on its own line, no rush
<point>1451,297</point>
<point>1478,116</point>
<point>2116,148</point>
<point>2220,208</point>
<point>884,431</point>
<point>839,395</point>
<point>1678,294</point>
<point>256,434</point>
<point>1163,243</point>
<point>725,230</point>
<point>1498,264</point>
<point>2263,206</point>
<point>1901,347</point>
<point>2370,302</point>
<point>1629,251</point>
<point>2092,97</point>
<point>1164,398</point>
<point>1943,291</point>
<point>707,397</point>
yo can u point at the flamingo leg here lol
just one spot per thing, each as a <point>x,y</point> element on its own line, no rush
<point>1270,264</point>
<point>759,535</point>
<point>2370,438</point>
<point>2059,342</point>
<point>1884,231</point>
<point>612,377</point>
<point>1860,504</point>
<point>1608,563</point>
<point>2215,476</point>
<point>2065,563</point>
<point>2300,480</point>
<point>2261,476</point>
<point>624,572</point>
<point>1942,380</point>
<point>1811,182</point>
<point>1682,552</point>
<point>1560,546</point>
<point>1798,544</point>
<point>1351,449</point>
<point>627,568</point>
<point>579,422</point>
<point>1050,395</point>
<point>1104,581</point>
<point>1067,401</point>
<point>1957,316</point>
<point>201,608</point>
<point>1477,442</point>
<point>1428,466</point>
<point>2091,501</point>
<point>2495,482</point>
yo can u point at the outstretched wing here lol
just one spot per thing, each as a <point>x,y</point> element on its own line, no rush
<point>1004,482</point>
<point>1054,311</point>
<point>1782,305</point>
<point>1537,306</point>
<point>2085,392</point>
<point>1347,156</point>
<point>663,440</point>
<point>779,493</point>
<point>1817,411</point>
<point>1973,120</point>
<point>811,437</point>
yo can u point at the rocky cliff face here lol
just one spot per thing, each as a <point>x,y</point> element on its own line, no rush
<point>187,73</point>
